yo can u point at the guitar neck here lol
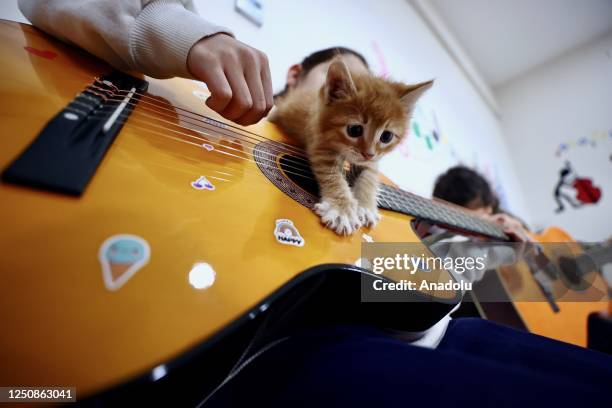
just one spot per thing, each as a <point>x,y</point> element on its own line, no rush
<point>394,199</point>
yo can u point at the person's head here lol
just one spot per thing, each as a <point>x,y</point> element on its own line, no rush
<point>310,73</point>
<point>465,187</point>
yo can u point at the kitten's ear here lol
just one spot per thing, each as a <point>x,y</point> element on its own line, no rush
<point>339,83</point>
<point>409,94</point>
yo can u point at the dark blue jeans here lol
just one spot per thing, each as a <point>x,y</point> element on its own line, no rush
<point>478,363</point>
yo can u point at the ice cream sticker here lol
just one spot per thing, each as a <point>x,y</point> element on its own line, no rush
<point>121,256</point>
<point>286,233</point>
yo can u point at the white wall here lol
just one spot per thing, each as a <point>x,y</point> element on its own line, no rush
<point>563,101</point>
<point>468,131</point>
<point>10,11</point>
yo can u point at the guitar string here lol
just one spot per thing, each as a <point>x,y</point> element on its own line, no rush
<point>298,170</point>
<point>199,146</point>
<point>448,206</point>
<point>393,195</point>
<point>401,198</point>
<point>274,164</point>
<point>305,160</point>
<point>240,152</point>
<point>298,160</point>
<point>394,198</point>
<point>209,126</point>
<point>173,107</point>
<point>386,195</point>
<point>215,129</point>
<point>217,124</point>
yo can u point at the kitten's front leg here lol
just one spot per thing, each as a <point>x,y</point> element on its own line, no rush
<point>338,207</point>
<point>364,190</point>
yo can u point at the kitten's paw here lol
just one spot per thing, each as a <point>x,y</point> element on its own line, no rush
<point>342,219</point>
<point>369,217</point>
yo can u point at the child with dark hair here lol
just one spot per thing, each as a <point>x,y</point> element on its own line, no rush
<point>465,187</point>
<point>301,74</point>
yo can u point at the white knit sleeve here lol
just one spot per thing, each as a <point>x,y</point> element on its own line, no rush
<point>153,37</point>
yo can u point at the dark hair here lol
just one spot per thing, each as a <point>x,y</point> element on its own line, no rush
<point>461,185</point>
<point>319,57</point>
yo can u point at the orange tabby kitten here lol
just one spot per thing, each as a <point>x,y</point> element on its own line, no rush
<point>353,118</point>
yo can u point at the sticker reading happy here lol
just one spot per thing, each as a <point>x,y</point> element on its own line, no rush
<point>121,256</point>
<point>286,233</point>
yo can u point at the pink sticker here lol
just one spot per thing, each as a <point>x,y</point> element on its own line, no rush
<point>41,53</point>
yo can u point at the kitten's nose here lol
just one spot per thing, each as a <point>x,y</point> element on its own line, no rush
<point>367,155</point>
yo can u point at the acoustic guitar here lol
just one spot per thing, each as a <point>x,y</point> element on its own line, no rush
<point>139,229</point>
<point>550,292</point>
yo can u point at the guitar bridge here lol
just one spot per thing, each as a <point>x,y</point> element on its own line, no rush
<point>66,153</point>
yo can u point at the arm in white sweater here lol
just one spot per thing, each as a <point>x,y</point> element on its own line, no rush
<point>149,36</point>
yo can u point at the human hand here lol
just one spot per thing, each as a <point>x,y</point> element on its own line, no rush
<point>511,226</point>
<point>238,77</point>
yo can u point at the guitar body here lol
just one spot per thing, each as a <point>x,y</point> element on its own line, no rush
<point>576,297</point>
<point>63,323</point>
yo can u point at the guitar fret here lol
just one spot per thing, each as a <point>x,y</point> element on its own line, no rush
<point>385,202</point>
<point>412,204</point>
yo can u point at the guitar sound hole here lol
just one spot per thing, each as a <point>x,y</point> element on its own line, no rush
<point>298,170</point>
<point>292,175</point>
<point>572,275</point>
<point>570,270</point>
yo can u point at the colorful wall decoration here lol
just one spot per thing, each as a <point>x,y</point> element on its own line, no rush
<point>592,141</point>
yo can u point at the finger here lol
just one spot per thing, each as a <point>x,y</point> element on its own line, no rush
<point>258,108</point>
<point>516,234</point>
<point>219,87</point>
<point>241,101</point>
<point>266,79</point>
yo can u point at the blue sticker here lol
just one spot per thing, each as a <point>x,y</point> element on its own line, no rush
<point>121,256</point>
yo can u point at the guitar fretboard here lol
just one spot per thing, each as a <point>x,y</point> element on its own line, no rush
<point>389,198</point>
<point>394,199</point>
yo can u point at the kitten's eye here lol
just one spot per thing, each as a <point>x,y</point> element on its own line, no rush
<point>386,136</point>
<point>354,130</point>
